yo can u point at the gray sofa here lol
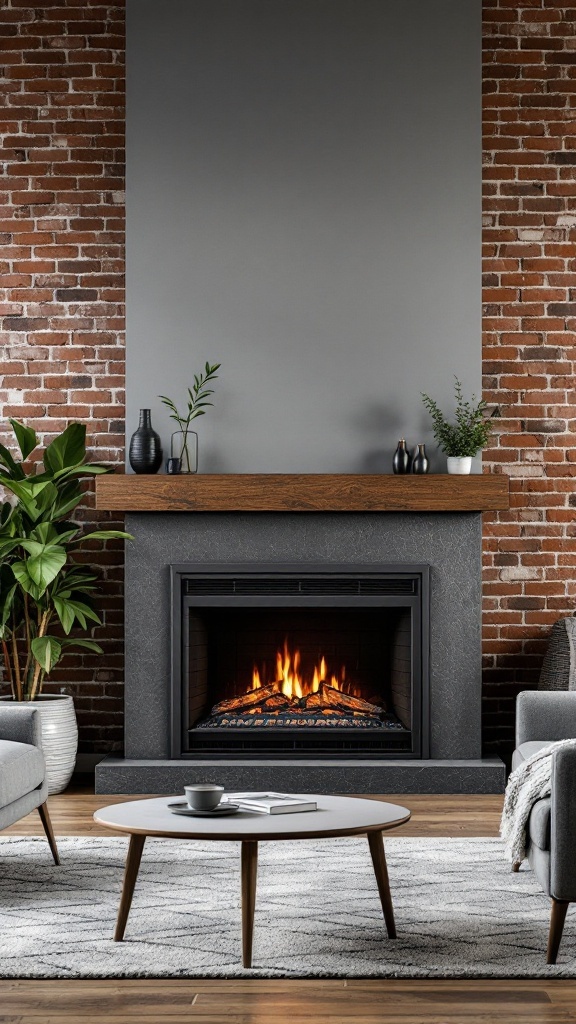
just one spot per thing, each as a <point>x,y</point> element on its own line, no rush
<point>23,785</point>
<point>542,718</point>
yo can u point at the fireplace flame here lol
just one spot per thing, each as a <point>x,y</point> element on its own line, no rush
<point>291,682</point>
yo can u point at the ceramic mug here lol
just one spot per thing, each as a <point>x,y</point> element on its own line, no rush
<point>204,796</point>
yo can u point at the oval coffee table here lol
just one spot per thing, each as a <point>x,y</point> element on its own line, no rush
<point>336,816</point>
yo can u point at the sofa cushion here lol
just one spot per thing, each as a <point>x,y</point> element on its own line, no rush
<point>539,825</point>
<point>22,769</point>
<point>527,750</point>
<point>559,665</point>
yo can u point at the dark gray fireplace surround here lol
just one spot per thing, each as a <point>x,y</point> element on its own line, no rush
<point>449,543</point>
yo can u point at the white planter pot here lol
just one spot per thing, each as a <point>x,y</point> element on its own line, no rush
<point>461,464</point>
<point>59,736</point>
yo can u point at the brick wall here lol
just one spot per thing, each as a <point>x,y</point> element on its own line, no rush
<point>62,337</point>
<point>530,320</point>
<point>61,258</point>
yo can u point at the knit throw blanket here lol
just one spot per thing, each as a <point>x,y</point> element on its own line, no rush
<point>528,783</point>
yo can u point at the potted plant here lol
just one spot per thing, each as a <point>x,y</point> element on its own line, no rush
<point>180,454</point>
<point>45,595</point>
<point>466,436</point>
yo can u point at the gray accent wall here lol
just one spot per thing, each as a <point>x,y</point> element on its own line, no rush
<point>303,203</point>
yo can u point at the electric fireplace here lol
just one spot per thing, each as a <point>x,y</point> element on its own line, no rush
<point>300,661</point>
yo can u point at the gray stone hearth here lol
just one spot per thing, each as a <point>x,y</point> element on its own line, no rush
<point>450,543</point>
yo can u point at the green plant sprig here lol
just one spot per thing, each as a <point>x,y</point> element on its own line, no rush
<point>40,583</point>
<point>197,403</point>
<point>471,431</point>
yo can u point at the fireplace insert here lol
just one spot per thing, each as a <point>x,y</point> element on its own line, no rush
<point>299,661</point>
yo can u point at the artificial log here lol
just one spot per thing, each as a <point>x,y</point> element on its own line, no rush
<point>277,702</point>
<point>245,701</point>
<point>270,699</point>
<point>333,698</point>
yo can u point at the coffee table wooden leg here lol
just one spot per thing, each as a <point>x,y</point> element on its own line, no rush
<point>376,844</point>
<point>249,870</point>
<point>130,875</point>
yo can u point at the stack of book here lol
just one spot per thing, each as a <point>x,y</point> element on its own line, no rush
<point>271,803</point>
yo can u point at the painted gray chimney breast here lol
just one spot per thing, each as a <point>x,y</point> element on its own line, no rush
<point>449,543</point>
<point>303,205</point>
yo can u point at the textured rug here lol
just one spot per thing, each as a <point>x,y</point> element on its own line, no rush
<point>460,912</point>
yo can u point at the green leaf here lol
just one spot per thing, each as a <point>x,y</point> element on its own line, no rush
<point>64,613</point>
<point>48,495</point>
<point>7,603</point>
<point>29,492</point>
<point>6,512</point>
<point>105,535</point>
<point>47,650</point>
<point>8,546</point>
<point>92,469</point>
<point>68,450</point>
<point>11,465</point>
<point>44,565</point>
<point>69,497</point>
<point>83,612</point>
<point>89,645</point>
<point>20,570</point>
<point>26,437</point>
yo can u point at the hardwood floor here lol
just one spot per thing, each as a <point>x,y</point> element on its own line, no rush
<point>276,1001</point>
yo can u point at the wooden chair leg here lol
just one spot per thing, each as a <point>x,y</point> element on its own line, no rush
<point>557,918</point>
<point>47,825</point>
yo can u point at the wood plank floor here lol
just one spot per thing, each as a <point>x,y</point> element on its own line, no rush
<point>297,1002</point>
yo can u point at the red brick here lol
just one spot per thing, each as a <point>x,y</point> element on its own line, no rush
<point>527,132</point>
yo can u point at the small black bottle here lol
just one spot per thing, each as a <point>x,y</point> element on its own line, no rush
<point>402,461</point>
<point>420,462</point>
<point>145,452</point>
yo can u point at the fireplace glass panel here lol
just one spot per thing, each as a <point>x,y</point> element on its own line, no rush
<point>301,664</point>
<point>300,668</point>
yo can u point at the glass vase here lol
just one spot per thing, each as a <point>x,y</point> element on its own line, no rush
<point>184,446</point>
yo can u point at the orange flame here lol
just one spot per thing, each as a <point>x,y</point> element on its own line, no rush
<point>290,681</point>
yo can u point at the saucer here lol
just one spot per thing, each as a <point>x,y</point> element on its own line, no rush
<point>217,812</point>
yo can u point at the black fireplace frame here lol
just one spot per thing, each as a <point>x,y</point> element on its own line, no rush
<point>218,579</point>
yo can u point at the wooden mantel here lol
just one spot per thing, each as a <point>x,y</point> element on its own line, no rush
<point>310,492</point>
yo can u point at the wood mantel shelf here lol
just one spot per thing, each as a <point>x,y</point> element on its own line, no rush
<point>306,492</point>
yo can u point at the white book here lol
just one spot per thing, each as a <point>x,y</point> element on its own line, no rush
<point>272,803</point>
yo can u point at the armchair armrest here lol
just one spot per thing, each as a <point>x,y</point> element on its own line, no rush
<point>563,825</point>
<point>544,715</point>
<point>21,725</point>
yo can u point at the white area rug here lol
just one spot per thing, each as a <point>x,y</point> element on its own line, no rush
<point>460,911</point>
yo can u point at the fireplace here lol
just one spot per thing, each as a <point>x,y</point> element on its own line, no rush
<point>300,661</point>
<point>213,564</point>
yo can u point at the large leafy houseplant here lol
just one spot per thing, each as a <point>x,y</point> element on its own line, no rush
<point>45,593</point>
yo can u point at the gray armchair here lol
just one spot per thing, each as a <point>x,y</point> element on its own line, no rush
<point>23,785</point>
<point>542,718</point>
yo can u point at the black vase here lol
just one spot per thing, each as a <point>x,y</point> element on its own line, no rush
<point>402,461</point>
<point>145,452</point>
<point>420,461</point>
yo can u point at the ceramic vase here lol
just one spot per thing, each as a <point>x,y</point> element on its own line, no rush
<point>402,461</point>
<point>145,452</point>
<point>59,736</point>
<point>420,462</point>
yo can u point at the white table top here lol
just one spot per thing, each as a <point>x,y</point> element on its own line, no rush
<point>336,816</point>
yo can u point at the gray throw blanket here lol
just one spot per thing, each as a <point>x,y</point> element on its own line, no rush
<point>528,783</point>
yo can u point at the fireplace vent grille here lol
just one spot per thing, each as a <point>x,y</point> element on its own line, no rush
<point>277,585</point>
